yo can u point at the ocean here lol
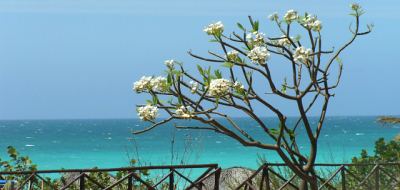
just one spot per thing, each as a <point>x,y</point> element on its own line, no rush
<point>55,144</point>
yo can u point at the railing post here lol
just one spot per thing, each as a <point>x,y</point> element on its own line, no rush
<point>216,178</point>
<point>82,182</point>
<point>130,178</point>
<point>343,174</point>
<point>171,179</point>
<point>265,178</point>
<point>30,184</point>
<point>30,187</point>
<point>377,175</point>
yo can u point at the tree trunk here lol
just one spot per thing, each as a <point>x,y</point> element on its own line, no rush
<point>303,185</point>
<point>309,185</point>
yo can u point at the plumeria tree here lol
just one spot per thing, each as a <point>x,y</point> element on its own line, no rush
<point>246,57</point>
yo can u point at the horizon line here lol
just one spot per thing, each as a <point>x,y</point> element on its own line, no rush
<point>235,117</point>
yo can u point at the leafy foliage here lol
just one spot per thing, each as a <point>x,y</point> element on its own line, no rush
<point>16,162</point>
<point>385,152</point>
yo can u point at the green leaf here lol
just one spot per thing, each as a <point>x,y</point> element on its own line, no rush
<point>284,86</point>
<point>227,64</point>
<point>274,131</point>
<point>169,79</point>
<point>12,152</point>
<point>241,26</point>
<point>180,100</point>
<point>218,74</point>
<point>155,100</point>
<point>177,73</point>
<point>255,25</point>
<point>291,134</point>
<point>200,69</point>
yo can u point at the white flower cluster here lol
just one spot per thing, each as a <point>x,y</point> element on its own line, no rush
<point>302,54</point>
<point>219,87</point>
<point>142,85</point>
<point>150,83</point>
<point>256,38</point>
<point>311,22</point>
<point>232,55</point>
<point>259,55</point>
<point>290,16</point>
<point>214,29</point>
<point>283,41</point>
<point>274,16</point>
<point>238,86</point>
<point>147,113</point>
<point>159,84</point>
<point>194,87</point>
<point>170,63</point>
<point>183,112</point>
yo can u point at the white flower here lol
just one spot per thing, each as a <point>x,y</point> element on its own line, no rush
<point>317,26</point>
<point>219,87</point>
<point>290,16</point>
<point>145,84</point>
<point>259,55</point>
<point>169,63</point>
<point>238,86</point>
<point>214,29</point>
<point>311,22</point>
<point>159,84</point>
<point>232,55</point>
<point>256,38</point>
<point>194,87</point>
<point>302,54</point>
<point>274,16</point>
<point>283,41</point>
<point>147,113</point>
<point>142,85</point>
<point>183,112</point>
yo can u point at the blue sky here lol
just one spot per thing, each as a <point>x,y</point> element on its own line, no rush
<point>78,59</point>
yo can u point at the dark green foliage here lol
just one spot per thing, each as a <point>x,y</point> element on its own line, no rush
<point>385,152</point>
<point>16,162</point>
<point>24,163</point>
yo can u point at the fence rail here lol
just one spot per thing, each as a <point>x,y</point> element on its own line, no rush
<point>132,178</point>
<point>385,176</point>
<point>268,176</point>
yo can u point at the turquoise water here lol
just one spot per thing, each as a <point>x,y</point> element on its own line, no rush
<point>54,144</point>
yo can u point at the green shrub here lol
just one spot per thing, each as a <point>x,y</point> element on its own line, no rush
<point>385,152</point>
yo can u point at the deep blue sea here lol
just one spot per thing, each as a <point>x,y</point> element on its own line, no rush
<point>54,144</point>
